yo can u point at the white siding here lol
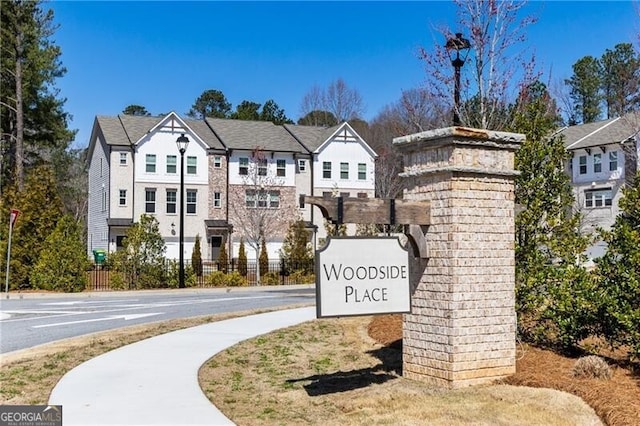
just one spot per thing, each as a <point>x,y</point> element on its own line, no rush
<point>99,189</point>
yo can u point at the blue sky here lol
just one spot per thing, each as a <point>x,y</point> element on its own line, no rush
<point>163,55</point>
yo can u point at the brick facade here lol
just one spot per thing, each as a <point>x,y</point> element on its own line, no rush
<point>461,330</point>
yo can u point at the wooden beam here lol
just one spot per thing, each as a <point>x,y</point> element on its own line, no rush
<point>382,211</point>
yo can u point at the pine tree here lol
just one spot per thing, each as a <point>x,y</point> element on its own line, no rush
<point>618,275</point>
<point>242,259</point>
<point>63,259</point>
<point>196,258</point>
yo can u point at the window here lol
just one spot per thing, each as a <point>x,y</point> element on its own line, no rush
<point>281,169</point>
<point>345,194</point>
<point>122,199</point>
<point>262,199</point>
<point>262,167</point>
<point>597,198</point>
<point>192,163</point>
<point>362,171</point>
<point>613,161</point>
<point>274,199</point>
<point>583,164</point>
<point>243,169</point>
<point>150,163</point>
<point>363,195</point>
<point>104,200</point>
<point>192,196</point>
<point>597,163</point>
<point>217,200</point>
<point>123,158</point>
<point>327,194</point>
<point>250,198</point>
<point>172,161</point>
<point>150,200</point>
<point>171,201</point>
<point>302,165</point>
<point>217,161</point>
<point>326,169</point>
<point>344,170</point>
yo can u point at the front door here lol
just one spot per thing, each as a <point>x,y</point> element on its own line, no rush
<point>216,243</point>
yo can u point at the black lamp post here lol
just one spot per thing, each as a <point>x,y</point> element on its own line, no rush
<point>461,47</point>
<point>182,143</point>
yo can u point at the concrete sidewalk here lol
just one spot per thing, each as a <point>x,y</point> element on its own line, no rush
<point>155,381</point>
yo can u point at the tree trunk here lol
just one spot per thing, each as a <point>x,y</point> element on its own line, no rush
<point>19,136</point>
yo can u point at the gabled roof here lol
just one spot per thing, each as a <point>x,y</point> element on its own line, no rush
<point>247,135</point>
<point>613,130</point>
<point>311,136</point>
<point>128,129</point>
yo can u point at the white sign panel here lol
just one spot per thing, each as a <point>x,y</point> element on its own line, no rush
<point>362,276</point>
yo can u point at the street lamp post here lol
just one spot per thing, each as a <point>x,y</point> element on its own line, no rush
<point>461,47</point>
<point>182,143</point>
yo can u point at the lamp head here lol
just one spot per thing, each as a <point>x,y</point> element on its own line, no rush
<point>458,48</point>
<point>182,143</point>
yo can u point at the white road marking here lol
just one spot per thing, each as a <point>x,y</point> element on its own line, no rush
<point>109,318</point>
<point>119,308</point>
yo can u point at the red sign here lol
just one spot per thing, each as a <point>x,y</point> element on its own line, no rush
<point>14,216</point>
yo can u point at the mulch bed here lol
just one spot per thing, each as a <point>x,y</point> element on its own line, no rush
<point>616,401</point>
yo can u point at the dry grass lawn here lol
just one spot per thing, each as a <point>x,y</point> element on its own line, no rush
<point>331,372</point>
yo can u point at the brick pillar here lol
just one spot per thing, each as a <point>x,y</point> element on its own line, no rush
<point>461,330</point>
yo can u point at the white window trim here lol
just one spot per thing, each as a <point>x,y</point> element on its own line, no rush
<point>217,161</point>
<point>195,172</point>
<point>175,202</point>
<point>147,163</point>
<point>123,156</point>
<point>121,197</point>
<point>217,202</point>
<point>174,164</point>
<point>186,201</point>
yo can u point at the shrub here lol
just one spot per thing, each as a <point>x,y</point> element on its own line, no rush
<point>264,258</point>
<point>217,279</point>
<point>234,279</point>
<point>117,281</point>
<point>173,275</point>
<point>223,260</point>
<point>196,258</point>
<point>591,367</point>
<point>301,277</point>
<point>270,278</point>
<point>242,259</point>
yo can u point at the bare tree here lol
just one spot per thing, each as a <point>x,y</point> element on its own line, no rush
<point>259,208</point>
<point>495,74</point>
<point>338,100</point>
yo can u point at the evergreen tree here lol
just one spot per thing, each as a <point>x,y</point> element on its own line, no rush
<point>621,79</point>
<point>242,259</point>
<point>212,103</point>
<point>142,255</point>
<point>32,118</point>
<point>618,275</point>
<point>223,259</point>
<point>296,249</point>
<point>40,209</point>
<point>136,110</point>
<point>585,86</point>
<point>63,259</point>
<point>196,258</point>
<point>549,284</point>
<point>264,258</point>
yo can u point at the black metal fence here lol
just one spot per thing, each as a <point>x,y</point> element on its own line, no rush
<point>213,274</point>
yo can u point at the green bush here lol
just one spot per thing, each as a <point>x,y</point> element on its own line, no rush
<point>196,258</point>
<point>234,279</point>
<point>220,279</point>
<point>242,259</point>
<point>117,281</point>
<point>173,275</point>
<point>63,260</point>
<point>270,278</point>
<point>301,277</point>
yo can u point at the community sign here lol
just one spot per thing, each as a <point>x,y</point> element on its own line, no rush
<point>362,276</point>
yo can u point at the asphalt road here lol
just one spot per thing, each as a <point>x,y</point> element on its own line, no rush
<point>33,320</point>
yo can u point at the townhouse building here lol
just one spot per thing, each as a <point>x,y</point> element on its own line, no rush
<point>242,179</point>
<point>604,158</point>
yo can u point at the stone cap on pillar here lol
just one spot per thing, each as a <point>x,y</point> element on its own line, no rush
<point>459,149</point>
